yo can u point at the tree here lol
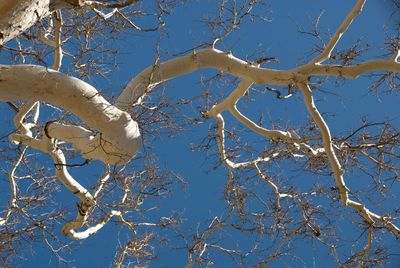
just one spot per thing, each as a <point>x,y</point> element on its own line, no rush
<point>59,114</point>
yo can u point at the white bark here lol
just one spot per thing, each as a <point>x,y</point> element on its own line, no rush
<point>145,81</point>
<point>326,53</point>
<point>142,83</point>
<point>118,139</point>
<point>114,138</point>
<point>19,15</point>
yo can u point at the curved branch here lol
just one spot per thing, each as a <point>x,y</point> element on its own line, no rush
<point>338,172</point>
<point>144,82</point>
<point>13,186</point>
<point>69,227</point>
<point>119,137</point>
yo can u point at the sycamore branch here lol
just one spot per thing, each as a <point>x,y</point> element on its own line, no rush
<point>338,171</point>
<point>326,53</point>
<point>19,15</point>
<point>144,82</point>
<point>13,186</point>
<point>113,137</point>
<point>58,52</point>
<point>118,138</point>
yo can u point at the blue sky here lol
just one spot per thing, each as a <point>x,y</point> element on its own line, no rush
<point>203,195</point>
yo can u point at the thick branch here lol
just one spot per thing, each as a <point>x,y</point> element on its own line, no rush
<point>19,15</point>
<point>119,137</point>
<point>145,81</point>
<point>206,58</point>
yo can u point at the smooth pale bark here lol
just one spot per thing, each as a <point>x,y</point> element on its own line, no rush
<point>145,81</point>
<point>206,58</point>
<point>118,139</point>
<point>19,15</point>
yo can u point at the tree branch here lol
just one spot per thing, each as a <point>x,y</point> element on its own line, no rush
<point>326,53</point>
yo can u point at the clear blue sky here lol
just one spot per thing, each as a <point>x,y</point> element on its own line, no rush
<point>203,196</point>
